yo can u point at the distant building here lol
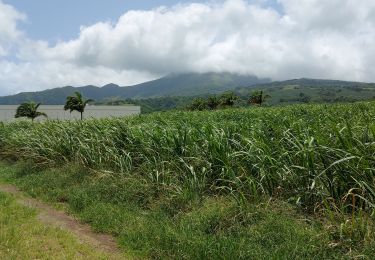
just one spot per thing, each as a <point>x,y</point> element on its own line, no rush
<point>7,112</point>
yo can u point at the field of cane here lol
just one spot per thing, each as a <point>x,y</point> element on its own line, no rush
<point>285,182</point>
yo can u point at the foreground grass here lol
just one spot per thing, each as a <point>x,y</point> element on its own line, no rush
<point>24,237</point>
<point>294,182</point>
<point>306,154</point>
<point>186,226</point>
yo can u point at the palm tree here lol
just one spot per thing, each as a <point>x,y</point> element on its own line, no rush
<point>258,98</point>
<point>29,110</point>
<point>76,103</point>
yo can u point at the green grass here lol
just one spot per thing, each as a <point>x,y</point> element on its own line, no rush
<point>23,237</point>
<point>290,182</point>
<point>181,227</point>
<point>184,225</point>
<point>305,153</point>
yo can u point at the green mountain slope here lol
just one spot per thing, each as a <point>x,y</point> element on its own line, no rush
<point>190,84</point>
<point>176,91</point>
<point>313,91</point>
<point>281,92</point>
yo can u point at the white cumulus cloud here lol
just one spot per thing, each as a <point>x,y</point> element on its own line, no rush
<point>308,38</point>
<point>9,34</point>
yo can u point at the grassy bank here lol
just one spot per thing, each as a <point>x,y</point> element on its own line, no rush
<point>212,227</point>
<point>295,181</point>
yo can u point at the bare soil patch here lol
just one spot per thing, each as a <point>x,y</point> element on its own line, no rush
<point>51,216</point>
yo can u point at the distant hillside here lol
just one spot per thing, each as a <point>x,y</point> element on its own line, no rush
<point>190,84</point>
<point>306,82</point>
<point>313,91</point>
<point>282,92</point>
<point>176,91</point>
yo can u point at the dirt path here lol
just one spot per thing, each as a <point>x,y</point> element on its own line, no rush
<point>51,216</point>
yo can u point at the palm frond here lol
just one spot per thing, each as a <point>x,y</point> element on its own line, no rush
<point>29,110</point>
<point>76,103</point>
<point>41,114</point>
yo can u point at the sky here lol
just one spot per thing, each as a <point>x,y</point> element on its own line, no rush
<point>47,44</point>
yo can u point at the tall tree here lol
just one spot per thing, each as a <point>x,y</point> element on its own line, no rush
<point>29,110</point>
<point>212,102</point>
<point>258,98</point>
<point>228,99</point>
<point>198,104</point>
<point>76,103</point>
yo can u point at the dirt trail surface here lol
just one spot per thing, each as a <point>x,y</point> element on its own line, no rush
<point>51,216</point>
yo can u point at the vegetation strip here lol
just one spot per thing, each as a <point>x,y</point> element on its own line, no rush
<point>51,216</point>
<point>290,182</point>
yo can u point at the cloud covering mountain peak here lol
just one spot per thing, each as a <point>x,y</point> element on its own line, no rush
<point>309,38</point>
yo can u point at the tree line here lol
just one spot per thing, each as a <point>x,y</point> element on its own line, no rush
<point>227,99</point>
<point>78,103</point>
<point>73,103</point>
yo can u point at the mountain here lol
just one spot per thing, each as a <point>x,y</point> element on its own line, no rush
<point>282,92</point>
<point>312,90</point>
<point>188,84</point>
<point>177,90</point>
<point>192,84</point>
